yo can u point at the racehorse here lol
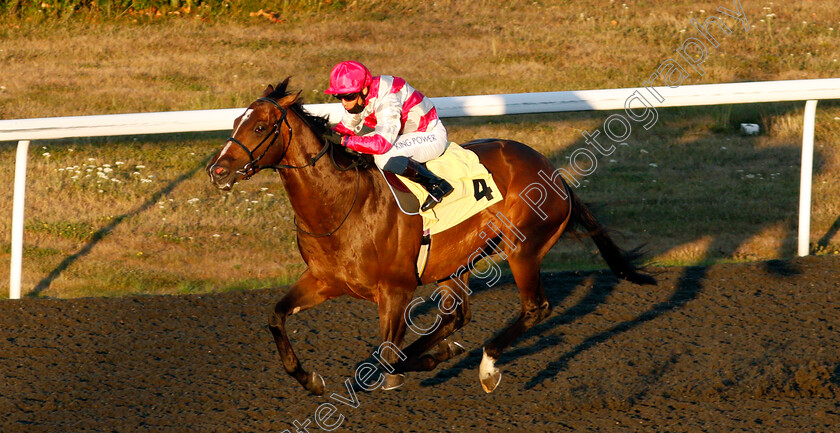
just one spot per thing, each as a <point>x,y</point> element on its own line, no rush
<point>355,240</point>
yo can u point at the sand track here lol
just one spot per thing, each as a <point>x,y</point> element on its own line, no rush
<point>750,347</point>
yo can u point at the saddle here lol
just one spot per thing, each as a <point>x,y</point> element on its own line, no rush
<point>474,190</point>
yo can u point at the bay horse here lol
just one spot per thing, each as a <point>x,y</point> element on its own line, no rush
<point>355,240</point>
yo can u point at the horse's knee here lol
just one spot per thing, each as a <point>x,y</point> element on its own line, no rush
<point>277,318</point>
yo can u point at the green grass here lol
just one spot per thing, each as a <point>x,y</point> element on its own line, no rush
<point>133,215</point>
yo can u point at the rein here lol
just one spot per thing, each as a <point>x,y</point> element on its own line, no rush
<point>250,168</point>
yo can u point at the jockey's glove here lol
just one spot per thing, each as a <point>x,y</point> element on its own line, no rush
<point>333,137</point>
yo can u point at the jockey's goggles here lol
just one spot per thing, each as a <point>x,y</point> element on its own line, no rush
<point>347,96</point>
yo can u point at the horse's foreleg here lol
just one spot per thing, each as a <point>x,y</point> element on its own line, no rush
<point>448,324</point>
<point>392,330</point>
<point>306,293</point>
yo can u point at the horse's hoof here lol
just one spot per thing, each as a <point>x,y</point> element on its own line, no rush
<point>393,381</point>
<point>447,349</point>
<point>450,349</point>
<point>488,374</point>
<point>317,386</point>
<point>455,348</point>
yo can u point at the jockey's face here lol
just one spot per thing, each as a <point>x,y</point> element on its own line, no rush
<point>356,105</point>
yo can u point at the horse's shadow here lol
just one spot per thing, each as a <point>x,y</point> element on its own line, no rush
<point>689,284</point>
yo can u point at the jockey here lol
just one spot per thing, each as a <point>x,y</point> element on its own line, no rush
<point>387,118</point>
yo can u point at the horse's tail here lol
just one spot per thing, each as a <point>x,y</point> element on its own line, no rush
<point>619,261</point>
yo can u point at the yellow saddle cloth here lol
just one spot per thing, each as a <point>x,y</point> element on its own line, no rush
<point>474,190</point>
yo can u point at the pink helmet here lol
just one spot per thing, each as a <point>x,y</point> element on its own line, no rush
<point>348,77</point>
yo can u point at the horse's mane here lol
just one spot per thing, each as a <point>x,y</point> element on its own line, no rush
<point>319,125</point>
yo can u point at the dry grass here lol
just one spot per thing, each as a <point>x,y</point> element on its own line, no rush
<point>691,188</point>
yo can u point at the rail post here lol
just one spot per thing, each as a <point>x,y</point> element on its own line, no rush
<point>17,219</point>
<point>805,177</point>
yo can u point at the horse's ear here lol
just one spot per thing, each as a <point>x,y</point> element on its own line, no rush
<point>281,87</point>
<point>268,90</point>
<point>288,100</point>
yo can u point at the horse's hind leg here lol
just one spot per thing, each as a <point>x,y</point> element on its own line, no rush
<point>455,317</point>
<point>535,308</point>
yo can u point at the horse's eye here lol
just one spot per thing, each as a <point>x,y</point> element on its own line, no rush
<point>259,129</point>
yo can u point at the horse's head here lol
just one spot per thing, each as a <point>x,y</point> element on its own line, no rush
<point>260,138</point>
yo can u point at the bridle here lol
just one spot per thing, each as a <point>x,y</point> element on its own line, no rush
<point>251,167</point>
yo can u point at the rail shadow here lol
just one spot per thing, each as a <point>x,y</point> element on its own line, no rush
<point>103,232</point>
<point>829,234</point>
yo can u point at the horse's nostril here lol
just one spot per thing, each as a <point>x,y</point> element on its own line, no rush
<point>220,171</point>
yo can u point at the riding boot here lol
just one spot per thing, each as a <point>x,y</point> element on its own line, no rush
<point>437,187</point>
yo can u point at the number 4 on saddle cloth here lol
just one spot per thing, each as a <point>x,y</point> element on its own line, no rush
<point>474,191</point>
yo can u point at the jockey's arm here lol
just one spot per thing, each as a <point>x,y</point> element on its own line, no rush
<point>349,123</point>
<point>388,124</point>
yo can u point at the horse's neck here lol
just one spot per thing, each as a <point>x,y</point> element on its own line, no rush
<point>320,195</point>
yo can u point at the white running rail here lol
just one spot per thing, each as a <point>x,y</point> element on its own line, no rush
<point>25,130</point>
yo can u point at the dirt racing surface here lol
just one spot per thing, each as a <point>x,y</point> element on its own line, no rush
<point>724,348</point>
